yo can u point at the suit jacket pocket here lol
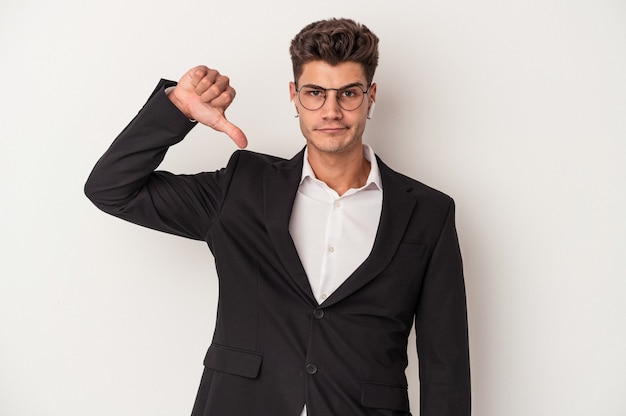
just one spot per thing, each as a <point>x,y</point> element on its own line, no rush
<point>385,396</point>
<point>235,361</point>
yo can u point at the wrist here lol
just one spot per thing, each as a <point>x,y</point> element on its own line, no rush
<point>169,91</point>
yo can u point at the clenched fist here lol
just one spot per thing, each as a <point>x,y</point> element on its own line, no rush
<point>203,94</point>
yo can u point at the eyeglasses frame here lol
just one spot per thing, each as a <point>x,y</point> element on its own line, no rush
<point>356,84</point>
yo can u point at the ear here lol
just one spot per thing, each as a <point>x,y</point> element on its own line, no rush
<point>292,92</point>
<point>371,93</point>
<point>371,96</point>
<point>292,97</point>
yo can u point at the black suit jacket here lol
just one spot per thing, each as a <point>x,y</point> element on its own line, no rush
<point>274,347</point>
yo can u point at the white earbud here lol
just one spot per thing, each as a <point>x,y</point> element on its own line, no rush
<point>371,110</point>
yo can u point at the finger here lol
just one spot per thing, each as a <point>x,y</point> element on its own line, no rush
<point>196,74</point>
<point>207,81</point>
<point>234,132</point>
<point>193,76</point>
<point>224,100</point>
<point>219,86</point>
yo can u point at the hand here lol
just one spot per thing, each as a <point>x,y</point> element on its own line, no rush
<point>203,94</point>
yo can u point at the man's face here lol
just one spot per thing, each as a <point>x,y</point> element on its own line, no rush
<point>332,129</point>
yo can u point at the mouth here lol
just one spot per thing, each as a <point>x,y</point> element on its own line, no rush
<point>332,130</point>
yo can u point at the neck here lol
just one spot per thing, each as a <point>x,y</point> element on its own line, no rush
<point>340,171</point>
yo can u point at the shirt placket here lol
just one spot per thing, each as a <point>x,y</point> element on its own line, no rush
<point>332,250</point>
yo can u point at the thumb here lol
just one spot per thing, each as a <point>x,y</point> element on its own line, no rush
<point>234,132</point>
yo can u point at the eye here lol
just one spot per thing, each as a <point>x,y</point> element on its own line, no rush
<point>350,93</point>
<point>314,92</point>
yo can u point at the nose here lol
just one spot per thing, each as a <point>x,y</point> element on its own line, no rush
<point>331,108</point>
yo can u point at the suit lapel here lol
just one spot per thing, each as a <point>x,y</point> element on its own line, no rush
<point>398,205</point>
<point>280,185</point>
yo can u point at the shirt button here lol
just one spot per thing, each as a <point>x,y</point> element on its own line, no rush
<point>311,368</point>
<point>324,296</point>
<point>337,204</point>
<point>318,313</point>
<point>331,249</point>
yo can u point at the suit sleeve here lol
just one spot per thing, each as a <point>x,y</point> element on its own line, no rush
<point>442,332</point>
<point>124,182</point>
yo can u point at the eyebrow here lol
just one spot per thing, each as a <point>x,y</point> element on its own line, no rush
<point>354,84</point>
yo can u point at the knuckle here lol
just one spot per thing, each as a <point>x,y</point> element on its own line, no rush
<point>200,70</point>
<point>205,82</point>
<point>215,89</point>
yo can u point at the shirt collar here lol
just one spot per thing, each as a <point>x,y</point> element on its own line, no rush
<point>373,179</point>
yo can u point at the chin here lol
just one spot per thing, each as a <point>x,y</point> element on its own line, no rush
<point>332,146</point>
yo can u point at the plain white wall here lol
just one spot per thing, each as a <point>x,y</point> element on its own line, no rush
<point>515,108</point>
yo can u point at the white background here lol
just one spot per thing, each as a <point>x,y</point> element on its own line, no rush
<point>515,108</point>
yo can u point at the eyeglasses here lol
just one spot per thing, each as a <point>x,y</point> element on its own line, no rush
<point>349,98</point>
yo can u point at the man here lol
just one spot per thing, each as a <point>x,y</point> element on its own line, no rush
<point>324,260</point>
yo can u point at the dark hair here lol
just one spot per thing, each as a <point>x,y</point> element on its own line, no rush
<point>335,41</point>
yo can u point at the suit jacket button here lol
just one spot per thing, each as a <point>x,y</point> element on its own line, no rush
<point>318,313</point>
<point>311,368</point>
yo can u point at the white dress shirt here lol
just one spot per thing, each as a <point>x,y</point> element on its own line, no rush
<point>334,234</point>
